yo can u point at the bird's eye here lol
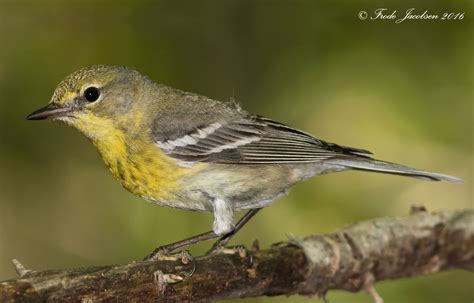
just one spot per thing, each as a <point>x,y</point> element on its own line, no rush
<point>92,94</point>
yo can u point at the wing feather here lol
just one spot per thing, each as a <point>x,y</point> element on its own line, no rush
<point>253,140</point>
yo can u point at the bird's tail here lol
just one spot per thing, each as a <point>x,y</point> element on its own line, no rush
<point>369,164</point>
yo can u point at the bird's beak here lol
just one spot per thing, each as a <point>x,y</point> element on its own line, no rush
<point>50,111</point>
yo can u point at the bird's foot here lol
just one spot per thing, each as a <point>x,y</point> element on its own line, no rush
<point>163,254</point>
<point>241,250</point>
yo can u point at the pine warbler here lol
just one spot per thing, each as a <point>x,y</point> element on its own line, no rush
<point>187,151</point>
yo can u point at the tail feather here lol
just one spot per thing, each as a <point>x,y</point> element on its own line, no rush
<point>368,164</point>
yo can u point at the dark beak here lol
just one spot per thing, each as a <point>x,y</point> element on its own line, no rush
<point>51,110</point>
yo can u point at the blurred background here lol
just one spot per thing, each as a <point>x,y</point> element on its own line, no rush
<point>403,91</point>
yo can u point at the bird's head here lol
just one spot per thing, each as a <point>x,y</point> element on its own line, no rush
<point>94,99</point>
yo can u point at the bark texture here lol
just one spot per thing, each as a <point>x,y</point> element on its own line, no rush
<point>351,259</point>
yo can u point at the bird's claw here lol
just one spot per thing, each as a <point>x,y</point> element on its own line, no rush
<point>241,250</point>
<point>163,254</point>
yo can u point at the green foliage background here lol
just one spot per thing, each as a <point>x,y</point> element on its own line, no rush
<point>404,91</point>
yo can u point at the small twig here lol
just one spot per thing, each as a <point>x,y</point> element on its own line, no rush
<point>255,245</point>
<point>370,289</point>
<point>417,209</point>
<point>20,269</point>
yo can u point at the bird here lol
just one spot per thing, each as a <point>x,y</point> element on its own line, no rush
<point>187,151</point>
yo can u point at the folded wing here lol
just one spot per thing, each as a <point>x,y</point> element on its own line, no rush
<point>258,140</point>
<point>253,140</point>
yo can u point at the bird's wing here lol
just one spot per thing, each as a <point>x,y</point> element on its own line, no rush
<point>252,140</point>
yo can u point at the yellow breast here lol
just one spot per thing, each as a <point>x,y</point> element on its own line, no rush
<point>146,172</point>
<point>137,163</point>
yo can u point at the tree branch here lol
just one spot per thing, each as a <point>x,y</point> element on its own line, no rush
<point>351,259</point>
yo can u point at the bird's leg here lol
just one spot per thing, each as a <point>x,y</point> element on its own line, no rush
<point>219,244</point>
<point>162,252</point>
